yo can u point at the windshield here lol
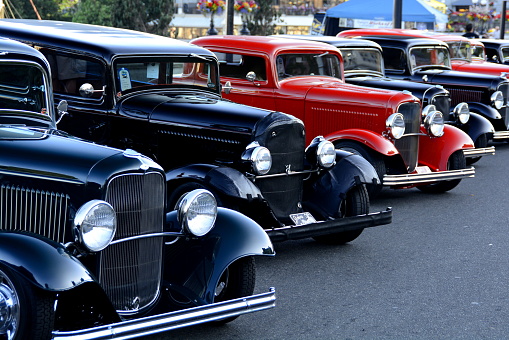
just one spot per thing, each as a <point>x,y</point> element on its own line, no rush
<point>460,50</point>
<point>365,60</point>
<point>505,54</point>
<point>478,52</point>
<point>429,57</point>
<point>22,87</point>
<point>325,64</point>
<point>174,71</point>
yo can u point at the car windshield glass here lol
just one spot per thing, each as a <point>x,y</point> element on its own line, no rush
<point>22,87</point>
<point>325,64</point>
<point>478,52</point>
<point>505,53</point>
<point>460,50</point>
<point>365,60</point>
<point>429,57</point>
<point>134,73</point>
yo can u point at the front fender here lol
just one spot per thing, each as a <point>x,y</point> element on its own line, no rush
<point>371,139</point>
<point>196,264</point>
<point>44,263</point>
<point>489,113</point>
<point>435,151</point>
<point>221,179</point>
<point>477,126</point>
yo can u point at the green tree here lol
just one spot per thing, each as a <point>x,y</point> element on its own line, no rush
<point>263,21</point>
<point>23,9</point>
<point>95,12</point>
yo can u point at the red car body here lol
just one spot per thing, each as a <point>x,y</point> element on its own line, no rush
<point>340,112</point>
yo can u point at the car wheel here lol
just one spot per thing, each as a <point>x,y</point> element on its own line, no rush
<point>355,203</point>
<point>456,161</point>
<point>480,142</point>
<point>25,312</point>
<point>238,280</point>
<point>372,157</point>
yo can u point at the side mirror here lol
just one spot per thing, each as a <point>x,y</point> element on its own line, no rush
<point>87,90</point>
<point>62,108</point>
<point>251,76</point>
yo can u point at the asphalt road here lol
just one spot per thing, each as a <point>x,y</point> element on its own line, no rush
<point>439,271</point>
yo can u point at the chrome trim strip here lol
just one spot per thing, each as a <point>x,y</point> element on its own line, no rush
<point>289,173</point>
<point>174,320</point>
<point>137,237</point>
<point>409,179</point>
<point>479,151</point>
<point>501,135</point>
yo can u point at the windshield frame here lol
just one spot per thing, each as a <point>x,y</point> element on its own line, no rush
<point>365,71</point>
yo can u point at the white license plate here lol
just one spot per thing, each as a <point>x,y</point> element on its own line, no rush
<point>302,218</point>
<point>422,169</point>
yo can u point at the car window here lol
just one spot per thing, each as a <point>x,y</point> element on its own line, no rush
<point>505,54</point>
<point>309,64</point>
<point>429,56</point>
<point>478,52</point>
<point>460,50</point>
<point>238,66</point>
<point>394,59</point>
<point>365,59</point>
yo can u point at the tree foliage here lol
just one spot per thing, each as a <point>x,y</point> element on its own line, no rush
<point>47,9</point>
<point>263,21</point>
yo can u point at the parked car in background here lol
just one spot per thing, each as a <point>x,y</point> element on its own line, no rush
<point>363,65</point>
<point>384,126</point>
<point>428,61</point>
<point>162,97</point>
<point>493,50</point>
<point>88,246</point>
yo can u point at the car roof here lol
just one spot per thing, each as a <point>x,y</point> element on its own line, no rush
<point>335,41</point>
<point>93,39</point>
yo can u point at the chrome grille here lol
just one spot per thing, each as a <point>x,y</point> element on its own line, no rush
<point>504,88</point>
<point>408,145</point>
<point>40,212</point>
<point>130,271</point>
<point>462,95</point>
<point>443,104</point>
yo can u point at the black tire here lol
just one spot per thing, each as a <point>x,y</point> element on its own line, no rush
<point>356,203</point>
<point>456,161</point>
<point>480,142</point>
<point>34,318</point>
<point>237,281</point>
<point>184,189</point>
<point>376,160</point>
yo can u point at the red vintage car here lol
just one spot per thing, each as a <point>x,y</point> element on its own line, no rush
<point>459,46</point>
<point>387,127</point>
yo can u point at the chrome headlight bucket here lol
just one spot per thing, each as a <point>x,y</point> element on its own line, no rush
<point>497,99</point>
<point>96,223</point>
<point>396,125</point>
<point>197,211</point>
<point>326,154</point>
<point>427,110</point>
<point>260,158</point>
<point>434,123</point>
<point>462,113</point>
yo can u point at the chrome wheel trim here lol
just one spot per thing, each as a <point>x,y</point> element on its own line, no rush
<point>9,307</point>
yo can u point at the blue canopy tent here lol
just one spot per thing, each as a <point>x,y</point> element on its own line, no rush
<point>378,14</point>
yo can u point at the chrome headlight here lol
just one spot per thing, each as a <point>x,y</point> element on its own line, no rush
<point>326,154</point>
<point>497,99</point>
<point>396,125</point>
<point>260,158</point>
<point>462,113</point>
<point>427,110</point>
<point>434,123</point>
<point>96,223</point>
<point>197,211</point>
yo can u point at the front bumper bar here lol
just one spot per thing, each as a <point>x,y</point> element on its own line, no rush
<point>428,177</point>
<point>330,227</point>
<point>174,320</point>
<point>479,152</point>
<point>497,135</point>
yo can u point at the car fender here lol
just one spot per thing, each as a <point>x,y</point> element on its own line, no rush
<point>327,192</point>
<point>435,151</point>
<point>477,126</point>
<point>44,263</point>
<point>196,267</point>
<point>371,139</point>
<point>221,179</point>
<point>487,112</point>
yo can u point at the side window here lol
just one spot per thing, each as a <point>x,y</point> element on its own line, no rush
<point>394,59</point>
<point>69,72</point>
<point>238,66</point>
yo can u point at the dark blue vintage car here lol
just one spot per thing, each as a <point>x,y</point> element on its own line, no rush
<point>162,97</point>
<point>89,248</point>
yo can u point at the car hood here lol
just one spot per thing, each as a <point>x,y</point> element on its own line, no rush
<point>199,110</point>
<point>451,78</point>
<point>480,67</point>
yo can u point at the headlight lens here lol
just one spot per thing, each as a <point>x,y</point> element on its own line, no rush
<point>96,223</point>
<point>497,99</point>
<point>396,125</point>
<point>462,113</point>
<point>260,158</point>
<point>434,123</point>
<point>427,110</point>
<point>197,211</point>
<point>326,154</point>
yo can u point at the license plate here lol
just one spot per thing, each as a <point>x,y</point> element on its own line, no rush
<point>422,169</point>
<point>302,218</point>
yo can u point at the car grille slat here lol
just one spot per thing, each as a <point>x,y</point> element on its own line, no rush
<point>130,271</point>
<point>463,95</point>
<point>408,145</point>
<point>443,104</point>
<point>40,212</point>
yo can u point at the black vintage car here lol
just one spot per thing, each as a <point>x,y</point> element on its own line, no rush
<point>88,248</point>
<point>162,97</point>
<point>495,51</point>
<point>364,66</point>
<point>428,61</point>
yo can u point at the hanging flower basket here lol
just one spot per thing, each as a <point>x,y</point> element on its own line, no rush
<point>211,7</point>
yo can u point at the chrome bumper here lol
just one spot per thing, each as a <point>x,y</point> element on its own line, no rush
<point>479,152</point>
<point>429,177</point>
<point>500,135</point>
<point>174,320</point>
